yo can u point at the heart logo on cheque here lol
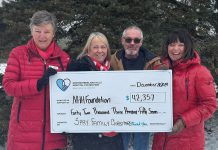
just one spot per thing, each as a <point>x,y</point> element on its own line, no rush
<point>63,84</point>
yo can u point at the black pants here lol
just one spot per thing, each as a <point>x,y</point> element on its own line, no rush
<point>95,141</point>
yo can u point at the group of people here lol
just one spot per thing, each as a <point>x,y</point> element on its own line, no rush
<point>30,66</point>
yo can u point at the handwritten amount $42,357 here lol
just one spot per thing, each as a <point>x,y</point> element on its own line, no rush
<point>146,97</point>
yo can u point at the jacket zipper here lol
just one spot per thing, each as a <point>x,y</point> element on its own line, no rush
<point>18,112</point>
<point>44,115</point>
<point>186,86</point>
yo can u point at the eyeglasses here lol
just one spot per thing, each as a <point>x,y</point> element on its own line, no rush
<point>136,40</point>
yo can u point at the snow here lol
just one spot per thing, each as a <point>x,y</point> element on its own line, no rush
<point>2,68</point>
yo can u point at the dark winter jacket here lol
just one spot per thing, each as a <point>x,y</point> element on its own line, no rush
<point>194,100</point>
<point>83,64</point>
<point>151,60</point>
<point>29,127</point>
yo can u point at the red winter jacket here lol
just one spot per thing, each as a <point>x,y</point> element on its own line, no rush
<point>194,100</point>
<point>29,127</point>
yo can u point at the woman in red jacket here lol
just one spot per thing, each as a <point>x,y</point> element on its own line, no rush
<point>194,97</point>
<point>26,79</point>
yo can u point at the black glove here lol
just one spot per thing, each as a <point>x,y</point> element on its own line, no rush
<point>45,78</point>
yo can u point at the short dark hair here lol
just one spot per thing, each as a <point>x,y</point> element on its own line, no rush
<point>182,36</point>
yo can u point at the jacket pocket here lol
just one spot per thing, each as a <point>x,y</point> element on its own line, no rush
<point>186,87</point>
<point>18,112</point>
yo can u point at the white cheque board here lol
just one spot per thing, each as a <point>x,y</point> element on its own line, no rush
<point>104,101</point>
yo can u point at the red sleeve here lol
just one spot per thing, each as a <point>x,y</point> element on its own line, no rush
<point>204,86</point>
<point>12,84</point>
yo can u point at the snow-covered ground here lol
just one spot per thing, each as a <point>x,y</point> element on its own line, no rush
<point>2,68</point>
<point>216,87</point>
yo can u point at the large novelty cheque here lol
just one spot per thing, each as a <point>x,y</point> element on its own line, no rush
<point>104,101</point>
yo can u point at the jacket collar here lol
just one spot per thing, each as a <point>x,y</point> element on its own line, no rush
<point>148,55</point>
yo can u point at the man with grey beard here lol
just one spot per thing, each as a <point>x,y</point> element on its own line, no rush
<point>134,57</point>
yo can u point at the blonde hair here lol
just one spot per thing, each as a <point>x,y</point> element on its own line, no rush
<point>87,47</point>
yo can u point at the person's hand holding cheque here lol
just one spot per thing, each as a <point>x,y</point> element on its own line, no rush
<point>178,126</point>
<point>43,81</point>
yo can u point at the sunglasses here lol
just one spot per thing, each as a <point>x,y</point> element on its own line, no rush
<point>129,40</point>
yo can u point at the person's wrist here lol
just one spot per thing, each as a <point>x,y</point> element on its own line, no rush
<point>41,82</point>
